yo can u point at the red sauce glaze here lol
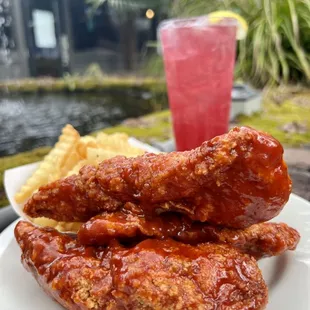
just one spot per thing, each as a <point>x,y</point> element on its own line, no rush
<point>155,274</point>
<point>75,199</point>
<point>260,240</point>
<point>235,180</point>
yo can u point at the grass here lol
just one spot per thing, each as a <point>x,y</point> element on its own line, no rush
<point>275,116</point>
<point>156,126</point>
<point>85,84</point>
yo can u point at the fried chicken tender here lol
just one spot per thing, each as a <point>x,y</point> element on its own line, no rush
<point>235,180</point>
<point>260,240</point>
<point>154,274</point>
<point>73,199</point>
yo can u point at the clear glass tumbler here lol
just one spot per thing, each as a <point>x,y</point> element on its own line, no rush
<point>199,56</point>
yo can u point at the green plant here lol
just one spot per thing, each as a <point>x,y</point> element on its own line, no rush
<point>94,70</point>
<point>153,66</point>
<point>277,47</point>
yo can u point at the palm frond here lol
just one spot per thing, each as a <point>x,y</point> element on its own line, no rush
<point>277,48</point>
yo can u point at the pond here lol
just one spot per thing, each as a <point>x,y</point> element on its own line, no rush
<point>32,121</point>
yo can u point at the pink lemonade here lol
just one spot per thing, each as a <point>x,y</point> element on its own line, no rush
<point>199,62</point>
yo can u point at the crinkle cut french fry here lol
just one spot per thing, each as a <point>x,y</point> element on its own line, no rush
<point>95,156</point>
<point>72,160</point>
<point>104,138</point>
<point>118,143</point>
<point>50,168</point>
<point>84,143</point>
<point>79,166</point>
<point>69,155</point>
<point>60,226</point>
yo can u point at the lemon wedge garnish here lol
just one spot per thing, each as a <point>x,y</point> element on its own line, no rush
<point>242,25</point>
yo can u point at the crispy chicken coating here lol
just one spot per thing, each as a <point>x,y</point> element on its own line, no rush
<point>260,240</point>
<point>154,274</point>
<point>73,199</point>
<point>235,180</point>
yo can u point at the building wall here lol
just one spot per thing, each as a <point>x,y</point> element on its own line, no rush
<point>75,58</point>
<point>109,61</point>
<point>15,64</point>
<point>16,68</point>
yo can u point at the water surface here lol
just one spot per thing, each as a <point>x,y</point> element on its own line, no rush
<point>36,120</point>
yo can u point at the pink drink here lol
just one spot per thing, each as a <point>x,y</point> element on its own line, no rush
<point>199,62</point>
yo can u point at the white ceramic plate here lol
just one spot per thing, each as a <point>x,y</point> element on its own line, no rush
<point>287,276</point>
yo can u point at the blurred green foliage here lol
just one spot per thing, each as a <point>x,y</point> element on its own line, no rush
<point>93,82</point>
<point>277,47</point>
<point>154,66</point>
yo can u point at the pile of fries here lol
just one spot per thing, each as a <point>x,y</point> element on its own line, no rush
<point>68,156</point>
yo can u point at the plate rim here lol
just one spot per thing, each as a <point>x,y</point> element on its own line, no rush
<point>6,236</point>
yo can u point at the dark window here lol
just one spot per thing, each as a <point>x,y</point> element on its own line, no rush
<point>146,28</point>
<point>93,29</point>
